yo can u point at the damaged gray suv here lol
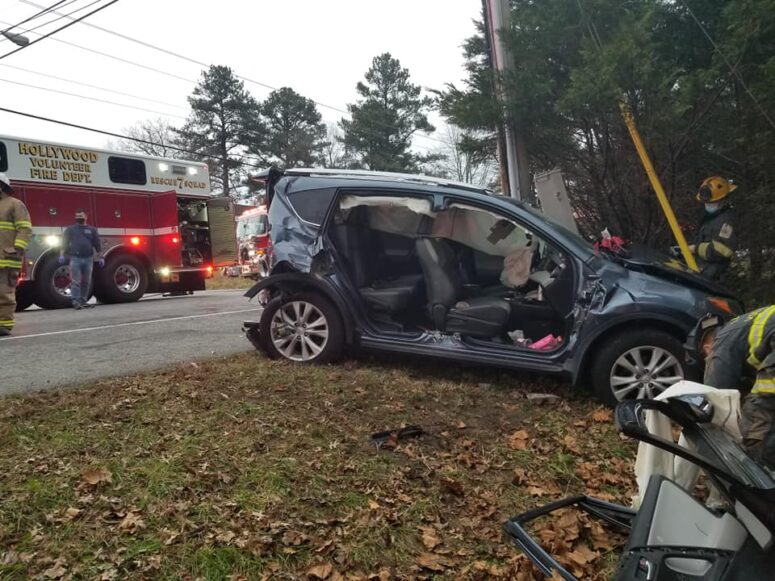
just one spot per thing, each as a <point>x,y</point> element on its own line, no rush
<point>422,266</point>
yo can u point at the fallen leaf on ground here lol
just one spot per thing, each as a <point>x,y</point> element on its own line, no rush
<point>429,538</point>
<point>73,513</point>
<point>461,425</point>
<point>321,571</point>
<point>56,571</point>
<point>432,562</point>
<point>518,440</point>
<point>131,523</point>
<point>602,415</point>
<point>451,486</point>
<point>374,505</point>
<point>96,476</point>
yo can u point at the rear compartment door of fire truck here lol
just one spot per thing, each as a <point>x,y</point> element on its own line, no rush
<point>166,237</point>
<point>223,231</point>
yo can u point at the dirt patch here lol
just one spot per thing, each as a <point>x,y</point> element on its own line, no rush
<point>247,468</point>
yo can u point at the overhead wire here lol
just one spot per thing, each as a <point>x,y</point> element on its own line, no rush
<point>38,14</point>
<point>63,16</point>
<point>196,154</point>
<point>90,86</point>
<point>88,98</point>
<point>728,63</point>
<point>205,65</point>
<point>69,24</point>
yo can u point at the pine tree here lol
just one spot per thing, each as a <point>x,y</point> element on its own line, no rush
<point>224,117</point>
<point>391,110</point>
<point>293,131</point>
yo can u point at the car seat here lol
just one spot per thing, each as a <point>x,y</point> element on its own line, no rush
<point>448,308</point>
<point>360,252</point>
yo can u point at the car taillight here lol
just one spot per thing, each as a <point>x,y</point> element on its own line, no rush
<point>209,270</point>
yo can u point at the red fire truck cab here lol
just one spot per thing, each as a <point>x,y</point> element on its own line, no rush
<point>161,229</point>
<point>253,241</point>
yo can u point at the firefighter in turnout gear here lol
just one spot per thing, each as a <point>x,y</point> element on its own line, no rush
<point>717,237</point>
<point>738,352</point>
<point>15,236</point>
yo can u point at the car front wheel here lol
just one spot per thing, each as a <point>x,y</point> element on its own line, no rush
<point>305,328</point>
<point>637,364</point>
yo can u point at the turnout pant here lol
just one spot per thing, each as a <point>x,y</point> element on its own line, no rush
<point>8,279</point>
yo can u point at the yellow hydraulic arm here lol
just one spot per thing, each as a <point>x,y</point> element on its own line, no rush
<point>657,185</point>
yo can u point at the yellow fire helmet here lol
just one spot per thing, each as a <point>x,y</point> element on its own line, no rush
<point>715,189</point>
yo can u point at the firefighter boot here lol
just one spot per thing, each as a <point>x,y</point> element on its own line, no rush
<point>8,278</point>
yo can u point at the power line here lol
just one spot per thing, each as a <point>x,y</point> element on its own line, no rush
<point>96,99</point>
<point>734,70</point>
<point>118,58</point>
<point>62,17</point>
<point>69,24</point>
<point>196,154</point>
<point>206,65</point>
<point>90,86</point>
<point>37,14</point>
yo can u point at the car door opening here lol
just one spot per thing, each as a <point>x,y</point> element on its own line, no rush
<point>463,271</point>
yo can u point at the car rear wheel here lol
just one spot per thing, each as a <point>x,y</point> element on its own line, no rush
<point>637,364</point>
<point>305,328</point>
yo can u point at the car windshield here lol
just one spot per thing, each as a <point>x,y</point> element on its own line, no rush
<point>253,227</point>
<point>581,241</point>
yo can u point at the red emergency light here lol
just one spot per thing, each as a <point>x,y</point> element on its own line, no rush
<point>134,241</point>
<point>175,239</point>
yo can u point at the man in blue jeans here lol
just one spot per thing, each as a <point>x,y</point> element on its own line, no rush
<point>81,241</point>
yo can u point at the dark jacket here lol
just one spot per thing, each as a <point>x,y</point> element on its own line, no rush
<point>81,240</point>
<point>716,242</point>
<point>744,346</point>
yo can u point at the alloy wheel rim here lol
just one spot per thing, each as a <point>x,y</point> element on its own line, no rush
<point>299,331</point>
<point>644,372</point>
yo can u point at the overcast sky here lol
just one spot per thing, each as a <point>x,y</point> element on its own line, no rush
<point>320,48</point>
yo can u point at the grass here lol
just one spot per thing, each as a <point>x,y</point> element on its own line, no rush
<point>247,468</point>
<point>220,282</point>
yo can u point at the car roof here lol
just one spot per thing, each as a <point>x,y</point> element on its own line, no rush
<point>386,179</point>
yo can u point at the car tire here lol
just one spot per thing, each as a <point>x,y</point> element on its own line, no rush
<point>123,279</point>
<point>48,279</point>
<point>637,364</point>
<point>25,296</point>
<point>284,337</point>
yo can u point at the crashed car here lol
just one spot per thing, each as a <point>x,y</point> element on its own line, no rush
<point>423,266</point>
<point>672,536</point>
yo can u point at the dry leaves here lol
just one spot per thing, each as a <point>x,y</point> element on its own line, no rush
<point>430,538</point>
<point>57,570</point>
<point>96,476</point>
<point>602,415</point>
<point>518,440</point>
<point>132,522</point>
<point>432,562</point>
<point>451,486</point>
<point>321,571</point>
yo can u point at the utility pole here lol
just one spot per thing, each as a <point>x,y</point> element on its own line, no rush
<point>512,148</point>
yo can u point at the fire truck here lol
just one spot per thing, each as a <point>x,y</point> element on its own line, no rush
<point>253,241</point>
<point>161,229</point>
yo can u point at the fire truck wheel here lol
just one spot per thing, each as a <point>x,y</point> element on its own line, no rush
<point>123,280</point>
<point>305,328</point>
<point>52,287</point>
<point>25,296</point>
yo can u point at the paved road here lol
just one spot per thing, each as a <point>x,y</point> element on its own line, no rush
<point>56,348</point>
